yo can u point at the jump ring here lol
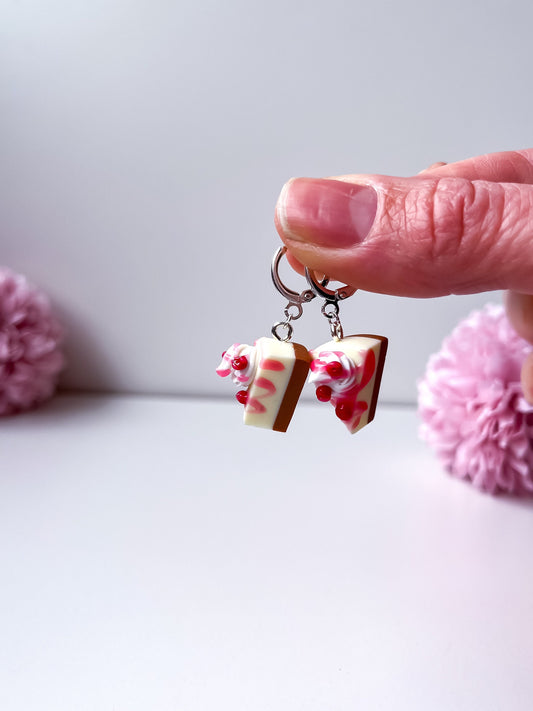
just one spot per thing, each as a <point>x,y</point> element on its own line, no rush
<point>297,314</point>
<point>282,324</point>
<point>334,313</point>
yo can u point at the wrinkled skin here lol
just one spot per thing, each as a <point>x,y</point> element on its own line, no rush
<point>455,228</point>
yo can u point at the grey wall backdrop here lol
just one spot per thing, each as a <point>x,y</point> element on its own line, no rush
<point>144,143</point>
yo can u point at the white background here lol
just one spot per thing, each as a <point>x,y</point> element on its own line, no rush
<point>157,556</point>
<point>144,144</point>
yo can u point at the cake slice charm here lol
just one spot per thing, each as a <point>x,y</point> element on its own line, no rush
<point>273,373</point>
<point>347,373</point>
<point>270,374</point>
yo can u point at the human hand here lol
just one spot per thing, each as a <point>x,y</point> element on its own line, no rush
<point>456,228</point>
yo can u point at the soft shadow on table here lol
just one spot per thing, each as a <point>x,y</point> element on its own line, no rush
<point>500,499</point>
<point>523,502</point>
<point>88,366</point>
<point>63,406</point>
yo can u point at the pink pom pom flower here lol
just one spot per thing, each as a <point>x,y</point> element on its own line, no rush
<point>30,345</point>
<point>472,408</point>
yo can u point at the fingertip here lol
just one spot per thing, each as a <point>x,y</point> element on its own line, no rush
<point>280,223</point>
<point>420,236</point>
<point>280,210</point>
<point>433,166</point>
<point>519,309</point>
<point>527,378</point>
<point>295,263</point>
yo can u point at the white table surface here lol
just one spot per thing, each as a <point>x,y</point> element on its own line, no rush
<point>158,555</point>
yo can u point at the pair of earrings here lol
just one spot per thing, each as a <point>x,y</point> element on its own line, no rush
<point>346,370</point>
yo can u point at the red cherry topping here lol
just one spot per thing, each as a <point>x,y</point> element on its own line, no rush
<point>334,369</point>
<point>323,393</point>
<point>242,396</point>
<point>239,363</point>
<point>344,411</point>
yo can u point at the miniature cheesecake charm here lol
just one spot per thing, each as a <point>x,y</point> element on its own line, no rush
<point>272,374</point>
<point>347,373</point>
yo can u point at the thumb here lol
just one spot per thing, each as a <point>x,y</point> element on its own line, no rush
<point>423,236</point>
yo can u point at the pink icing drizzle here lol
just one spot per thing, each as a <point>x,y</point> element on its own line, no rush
<point>348,397</point>
<point>254,404</point>
<point>360,406</point>
<point>271,364</point>
<point>240,377</point>
<point>317,364</point>
<point>265,384</point>
<point>224,369</point>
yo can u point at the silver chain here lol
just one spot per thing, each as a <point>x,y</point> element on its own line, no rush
<point>330,307</point>
<point>292,311</point>
<point>330,310</point>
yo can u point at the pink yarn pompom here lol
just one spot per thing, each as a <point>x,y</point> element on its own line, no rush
<point>30,340</point>
<point>471,404</point>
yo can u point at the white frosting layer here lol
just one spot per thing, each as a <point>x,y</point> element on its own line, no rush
<point>351,372</point>
<point>351,353</point>
<point>269,401</point>
<point>267,393</point>
<point>244,377</point>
